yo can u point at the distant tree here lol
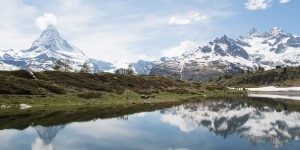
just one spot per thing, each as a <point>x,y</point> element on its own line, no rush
<point>117,71</point>
<point>219,78</point>
<point>260,69</point>
<point>130,70</point>
<point>254,68</point>
<point>242,71</point>
<point>248,71</point>
<point>210,79</point>
<point>227,76</point>
<point>58,65</point>
<point>62,65</point>
<point>284,70</point>
<point>66,65</point>
<point>85,68</point>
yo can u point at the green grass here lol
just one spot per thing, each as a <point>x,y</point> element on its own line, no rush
<point>106,99</point>
<point>64,109</point>
<point>52,88</point>
<point>52,82</point>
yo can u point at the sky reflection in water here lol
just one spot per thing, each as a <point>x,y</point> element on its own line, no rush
<point>217,125</point>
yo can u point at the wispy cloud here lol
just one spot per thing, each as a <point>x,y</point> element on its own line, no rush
<point>261,4</point>
<point>258,4</point>
<point>179,50</point>
<point>284,1</point>
<point>189,18</point>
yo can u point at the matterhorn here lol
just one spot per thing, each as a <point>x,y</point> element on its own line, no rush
<point>44,53</point>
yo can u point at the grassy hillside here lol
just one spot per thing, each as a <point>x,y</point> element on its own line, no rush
<point>61,87</point>
<point>289,76</point>
<point>61,83</point>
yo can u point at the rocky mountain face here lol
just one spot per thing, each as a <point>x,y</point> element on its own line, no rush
<point>226,55</point>
<point>272,48</point>
<point>46,137</point>
<point>47,134</point>
<point>44,53</point>
<point>103,65</point>
<point>222,55</point>
<point>144,67</point>
<point>264,125</point>
<point>141,67</point>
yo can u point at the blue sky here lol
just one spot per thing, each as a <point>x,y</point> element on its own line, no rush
<point>128,30</point>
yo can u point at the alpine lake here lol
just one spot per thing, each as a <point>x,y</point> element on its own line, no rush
<point>242,123</point>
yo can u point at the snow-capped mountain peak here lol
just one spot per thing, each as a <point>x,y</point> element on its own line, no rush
<point>51,39</point>
<point>51,33</point>
<point>276,30</point>
<point>278,34</point>
<point>222,55</point>
<point>44,53</point>
<point>267,48</point>
<point>252,31</point>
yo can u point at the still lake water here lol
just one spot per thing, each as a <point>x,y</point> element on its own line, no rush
<point>207,125</point>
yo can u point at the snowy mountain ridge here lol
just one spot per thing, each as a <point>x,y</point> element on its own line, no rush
<point>50,47</point>
<point>141,67</point>
<point>226,55</point>
<point>272,48</point>
<point>222,55</point>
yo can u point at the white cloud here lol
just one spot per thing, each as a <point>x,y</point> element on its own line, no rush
<point>44,21</point>
<point>179,50</point>
<point>284,1</point>
<point>189,18</point>
<point>258,4</point>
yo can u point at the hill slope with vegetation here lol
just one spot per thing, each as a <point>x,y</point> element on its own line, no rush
<point>61,83</point>
<point>287,76</point>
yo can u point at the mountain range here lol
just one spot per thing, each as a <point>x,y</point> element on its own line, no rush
<point>222,55</point>
<point>225,55</point>
<point>50,47</point>
<point>264,125</point>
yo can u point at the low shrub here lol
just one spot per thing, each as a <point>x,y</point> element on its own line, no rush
<point>53,89</point>
<point>178,91</point>
<point>90,95</point>
<point>18,73</point>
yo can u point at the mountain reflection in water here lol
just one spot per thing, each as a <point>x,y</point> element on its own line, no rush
<point>46,136</point>
<point>224,119</point>
<point>211,125</point>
